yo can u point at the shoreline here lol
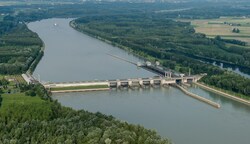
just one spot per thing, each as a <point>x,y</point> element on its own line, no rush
<point>127,49</point>
<point>235,98</point>
<point>38,58</point>
<point>197,97</point>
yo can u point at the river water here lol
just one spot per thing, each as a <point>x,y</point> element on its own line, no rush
<point>245,72</point>
<point>73,56</point>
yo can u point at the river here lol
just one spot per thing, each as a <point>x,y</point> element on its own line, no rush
<point>243,71</point>
<point>73,56</point>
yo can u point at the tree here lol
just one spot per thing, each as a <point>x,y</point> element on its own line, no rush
<point>236,30</point>
<point>108,141</point>
<point>218,37</point>
<point>4,82</point>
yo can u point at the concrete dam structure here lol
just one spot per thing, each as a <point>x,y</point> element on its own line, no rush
<point>137,82</point>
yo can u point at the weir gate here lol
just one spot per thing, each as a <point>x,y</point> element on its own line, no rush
<point>137,82</point>
<point>165,77</point>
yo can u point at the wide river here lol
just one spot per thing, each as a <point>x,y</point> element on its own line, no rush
<point>73,56</point>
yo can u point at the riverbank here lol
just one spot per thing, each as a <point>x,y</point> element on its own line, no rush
<point>140,55</point>
<point>232,97</point>
<point>202,99</point>
<point>36,61</point>
<point>212,70</point>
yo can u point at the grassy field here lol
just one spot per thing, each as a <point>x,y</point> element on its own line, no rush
<point>28,107</point>
<point>223,27</point>
<point>18,105</point>
<point>79,87</point>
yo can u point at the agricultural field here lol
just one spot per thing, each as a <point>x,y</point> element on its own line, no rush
<point>224,26</point>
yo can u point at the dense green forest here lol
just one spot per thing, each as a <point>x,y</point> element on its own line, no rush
<point>32,117</point>
<point>19,47</point>
<point>174,43</point>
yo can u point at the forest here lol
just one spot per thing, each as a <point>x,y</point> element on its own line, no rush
<point>174,43</point>
<point>31,116</point>
<point>19,47</point>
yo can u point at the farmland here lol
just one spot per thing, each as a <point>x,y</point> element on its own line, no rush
<point>224,26</point>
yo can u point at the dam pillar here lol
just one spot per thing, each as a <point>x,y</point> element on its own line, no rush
<point>130,83</point>
<point>141,82</point>
<point>163,82</point>
<point>184,80</point>
<point>152,82</point>
<point>118,84</point>
<point>195,80</point>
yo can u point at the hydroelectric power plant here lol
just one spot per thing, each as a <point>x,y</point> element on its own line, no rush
<point>71,56</point>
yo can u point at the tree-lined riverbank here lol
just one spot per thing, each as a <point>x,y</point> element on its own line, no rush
<point>175,44</point>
